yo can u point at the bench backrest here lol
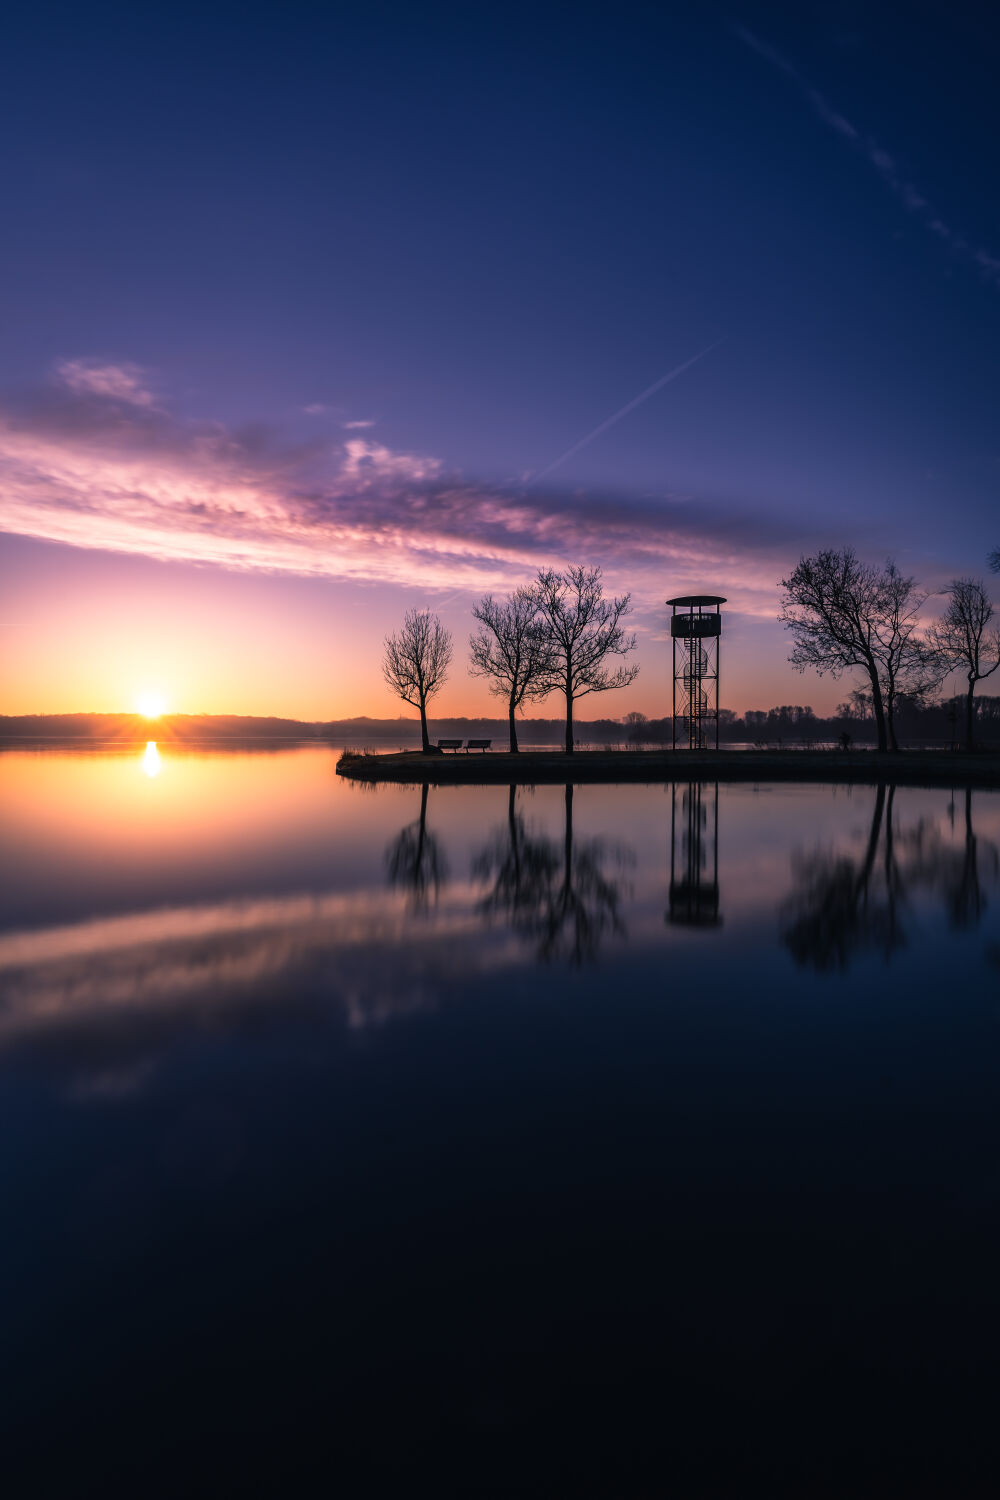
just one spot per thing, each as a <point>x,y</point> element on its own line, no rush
<point>479,744</point>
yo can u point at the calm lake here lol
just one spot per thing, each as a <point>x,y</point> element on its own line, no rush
<point>632,1138</point>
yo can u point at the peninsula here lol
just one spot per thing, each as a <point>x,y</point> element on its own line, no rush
<point>538,767</point>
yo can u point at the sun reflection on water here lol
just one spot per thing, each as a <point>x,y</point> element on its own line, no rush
<point>151,763</point>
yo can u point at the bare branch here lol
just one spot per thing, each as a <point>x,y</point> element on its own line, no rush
<point>416,661</point>
<point>963,640</point>
<point>846,614</point>
<point>583,629</point>
<point>511,648</point>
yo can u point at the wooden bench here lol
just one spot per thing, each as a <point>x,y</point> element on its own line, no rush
<point>483,745</point>
<point>449,744</point>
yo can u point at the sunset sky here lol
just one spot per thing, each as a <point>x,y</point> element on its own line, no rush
<point>314,314</point>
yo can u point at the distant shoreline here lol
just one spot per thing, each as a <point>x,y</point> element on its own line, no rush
<point>907,767</point>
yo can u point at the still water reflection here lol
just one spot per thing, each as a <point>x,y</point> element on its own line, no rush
<point>490,1117</point>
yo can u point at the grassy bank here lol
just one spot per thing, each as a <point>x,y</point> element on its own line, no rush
<point>535,767</point>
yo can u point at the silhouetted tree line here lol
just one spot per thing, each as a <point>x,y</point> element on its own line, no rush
<point>847,615</point>
<point>919,720</point>
<point>560,635</point>
<point>167,728</point>
<point>557,634</point>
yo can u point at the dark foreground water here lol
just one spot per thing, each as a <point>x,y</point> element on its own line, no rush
<point>625,1141</point>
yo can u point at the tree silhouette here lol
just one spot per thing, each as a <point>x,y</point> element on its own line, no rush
<point>511,650</point>
<point>416,662</point>
<point>846,614</point>
<point>963,640</point>
<point>834,911</point>
<point>583,630</point>
<point>415,861</point>
<point>908,667</point>
<point>843,905</point>
<point>556,894</point>
<point>520,868</point>
<point>961,877</point>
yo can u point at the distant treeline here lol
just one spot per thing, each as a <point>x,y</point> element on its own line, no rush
<point>360,732</point>
<point>204,728</point>
<point>789,724</point>
<point>917,721</point>
<point>131,727</point>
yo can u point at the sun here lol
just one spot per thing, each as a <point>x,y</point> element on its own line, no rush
<point>150,704</point>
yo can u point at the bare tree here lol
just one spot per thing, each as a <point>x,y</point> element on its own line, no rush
<point>907,665</point>
<point>962,638</point>
<point>416,662</point>
<point>583,630</point>
<point>995,560</point>
<point>511,649</point>
<point>843,614</point>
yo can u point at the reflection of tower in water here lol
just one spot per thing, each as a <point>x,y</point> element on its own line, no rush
<point>694,855</point>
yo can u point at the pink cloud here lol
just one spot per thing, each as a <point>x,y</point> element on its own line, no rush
<point>89,469</point>
<point>121,382</point>
<point>368,462</point>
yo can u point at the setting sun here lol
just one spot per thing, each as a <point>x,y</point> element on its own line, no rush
<point>150,704</point>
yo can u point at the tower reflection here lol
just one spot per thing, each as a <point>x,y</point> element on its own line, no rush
<point>694,855</point>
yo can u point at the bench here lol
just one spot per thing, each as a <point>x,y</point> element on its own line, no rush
<point>483,745</point>
<point>449,744</point>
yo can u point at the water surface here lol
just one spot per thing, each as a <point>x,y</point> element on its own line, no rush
<point>650,1132</point>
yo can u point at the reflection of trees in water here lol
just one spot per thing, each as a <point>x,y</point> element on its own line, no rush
<point>844,905</point>
<point>963,890</point>
<point>559,896</point>
<point>415,861</point>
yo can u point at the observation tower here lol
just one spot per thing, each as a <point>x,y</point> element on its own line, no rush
<point>696,633</point>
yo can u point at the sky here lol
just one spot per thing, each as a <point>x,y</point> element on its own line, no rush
<point>311,315</point>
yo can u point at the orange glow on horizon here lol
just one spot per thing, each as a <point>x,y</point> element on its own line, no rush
<point>212,642</point>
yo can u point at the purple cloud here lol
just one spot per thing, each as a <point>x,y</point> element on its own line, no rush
<point>87,467</point>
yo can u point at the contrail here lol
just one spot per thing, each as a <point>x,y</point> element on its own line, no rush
<point>636,401</point>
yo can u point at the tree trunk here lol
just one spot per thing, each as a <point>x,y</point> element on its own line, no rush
<point>568,844</point>
<point>878,707</point>
<point>425,743</point>
<point>515,840</point>
<point>892,882</point>
<point>569,720</point>
<point>970,716</point>
<point>890,719</point>
<point>512,731</point>
<point>865,873</point>
<point>422,834</point>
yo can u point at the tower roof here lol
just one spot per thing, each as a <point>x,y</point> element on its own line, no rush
<point>693,601</point>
